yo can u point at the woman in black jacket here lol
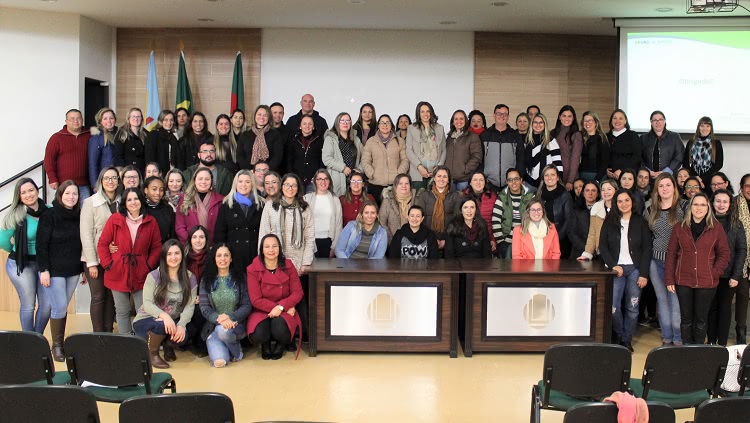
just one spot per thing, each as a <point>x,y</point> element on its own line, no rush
<point>238,222</point>
<point>414,240</point>
<point>581,218</point>
<point>129,148</point>
<point>558,204</point>
<point>304,152</point>
<point>625,146</point>
<point>58,252</point>
<point>631,266</point>
<point>260,142</point>
<point>161,140</point>
<point>158,206</point>
<point>704,154</point>
<point>720,313</point>
<point>467,235</point>
<point>186,153</point>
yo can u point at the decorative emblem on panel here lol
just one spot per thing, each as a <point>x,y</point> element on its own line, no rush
<point>383,309</point>
<point>539,311</point>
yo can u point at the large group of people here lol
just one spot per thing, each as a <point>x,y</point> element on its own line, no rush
<point>231,221</point>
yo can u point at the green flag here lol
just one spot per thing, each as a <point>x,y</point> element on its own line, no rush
<point>238,86</point>
<point>184,95</point>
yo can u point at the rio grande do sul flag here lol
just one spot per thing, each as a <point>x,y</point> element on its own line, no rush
<point>153,104</point>
<point>184,95</point>
<point>238,86</point>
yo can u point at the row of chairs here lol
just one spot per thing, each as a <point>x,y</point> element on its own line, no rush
<point>112,367</point>
<point>54,404</point>
<point>680,377</point>
<point>709,411</point>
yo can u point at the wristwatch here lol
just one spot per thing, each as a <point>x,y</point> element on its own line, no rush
<point>280,306</point>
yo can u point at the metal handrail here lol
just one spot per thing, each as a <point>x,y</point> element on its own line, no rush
<point>20,174</point>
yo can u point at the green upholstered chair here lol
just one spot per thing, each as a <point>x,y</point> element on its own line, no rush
<point>580,373</point>
<point>26,359</point>
<point>682,376</point>
<point>113,367</point>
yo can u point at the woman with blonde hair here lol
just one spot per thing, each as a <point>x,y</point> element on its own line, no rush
<point>327,214</point>
<point>342,151</point>
<point>536,237</point>
<point>397,200</point>
<point>238,223</point>
<point>130,142</point>
<point>199,206</point>
<point>595,153</point>
<point>101,144</point>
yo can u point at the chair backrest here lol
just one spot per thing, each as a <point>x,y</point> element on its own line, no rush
<point>688,368</point>
<point>606,412</point>
<point>25,357</point>
<point>732,409</point>
<point>47,404</point>
<point>209,407</point>
<point>107,359</point>
<point>586,370</point>
<point>743,375</point>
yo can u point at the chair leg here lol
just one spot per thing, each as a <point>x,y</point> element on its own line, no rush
<point>535,411</point>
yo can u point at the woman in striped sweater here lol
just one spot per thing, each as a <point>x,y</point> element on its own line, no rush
<point>541,151</point>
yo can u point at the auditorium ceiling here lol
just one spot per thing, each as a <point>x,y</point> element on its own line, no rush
<point>539,16</point>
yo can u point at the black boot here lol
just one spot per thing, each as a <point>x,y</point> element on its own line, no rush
<point>741,335</point>
<point>278,351</point>
<point>57,329</point>
<point>265,350</point>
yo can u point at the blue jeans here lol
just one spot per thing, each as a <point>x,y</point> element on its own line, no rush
<point>625,318</point>
<point>30,294</point>
<point>59,292</point>
<point>668,306</point>
<point>224,344</point>
<point>149,324</point>
<point>84,192</point>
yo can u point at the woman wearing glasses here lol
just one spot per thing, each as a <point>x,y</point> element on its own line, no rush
<point>383,157</point>
<point>342,152</point>
<point>536,237</point>
<point>663,150</point>
<point>327,217</point>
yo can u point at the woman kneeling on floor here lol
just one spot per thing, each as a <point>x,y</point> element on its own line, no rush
<point>225,305</point>
<point>275,291</point>
<point>168,303</point>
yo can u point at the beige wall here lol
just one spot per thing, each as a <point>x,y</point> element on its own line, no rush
<point>547,70</point>
<point>209,60</point>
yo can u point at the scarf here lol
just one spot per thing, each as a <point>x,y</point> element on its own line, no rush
<point>201,208</point>
<point>296,222</point>
<point>700,154</point>
<point>428,148</point>
<point>438,211</point>
<point>549,198</point>
<point>385,140</point>
<point>260,148</point>
<point>538,232</point>
<point>21,240</point>
<point>458,133</point>
<point>744,216</point>
<point>66,213</point>
<point>348,152</point>
<point>196,262</point>
<point>151,204</point>
<point>417,237</point>
<point>404,202</point>
<point>477,131</point>
<point>242,200</point>
<point>174,200</point>
<point>472,233</point>
<point>697,228</point>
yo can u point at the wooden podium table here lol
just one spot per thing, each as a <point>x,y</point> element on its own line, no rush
<point>387,305</point>
<point>528,305</point>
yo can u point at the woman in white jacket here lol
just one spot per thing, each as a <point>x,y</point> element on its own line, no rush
<point>327,216</point>
<point>342,152</point>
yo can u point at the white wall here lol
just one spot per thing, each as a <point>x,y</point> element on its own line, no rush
<point>39,81</point>
<point>393,70</point>
<point>95,56</point>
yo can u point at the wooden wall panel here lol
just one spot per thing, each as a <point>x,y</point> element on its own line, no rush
<point>547,70</point>
<point>209,61</point>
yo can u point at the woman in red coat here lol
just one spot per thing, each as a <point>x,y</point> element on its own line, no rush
<point>697,255</point>
<point>275,291</point>
<point>128,249</point>
<point>199,206</point>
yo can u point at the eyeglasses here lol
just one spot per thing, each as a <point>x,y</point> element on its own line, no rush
<point>588,121</point>
<point>345,121</point>
<point>287,185</point>
<point>501,114</point>
<point>261,170</point>
<point>111,178</point>
<point>321,179</point>
<point>692,187</point>
<point>516,179</point>
<point>657,120</point>
<point>208,151</point>
<point>535,210</point>
<point>356,182</point>
<point>130,177</point>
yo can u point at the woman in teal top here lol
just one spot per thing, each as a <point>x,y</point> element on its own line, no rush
<point>18,237</point>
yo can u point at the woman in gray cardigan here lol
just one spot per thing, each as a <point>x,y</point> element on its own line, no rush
<point>342,152</point>
<point>425,145</point>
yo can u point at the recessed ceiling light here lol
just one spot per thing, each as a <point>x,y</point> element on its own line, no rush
<point>447,22</point>
<point>205,20</point>
<point>499,4</point>
<point>663,9</point>
<point>356,1</point>
<point>49,1</point>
